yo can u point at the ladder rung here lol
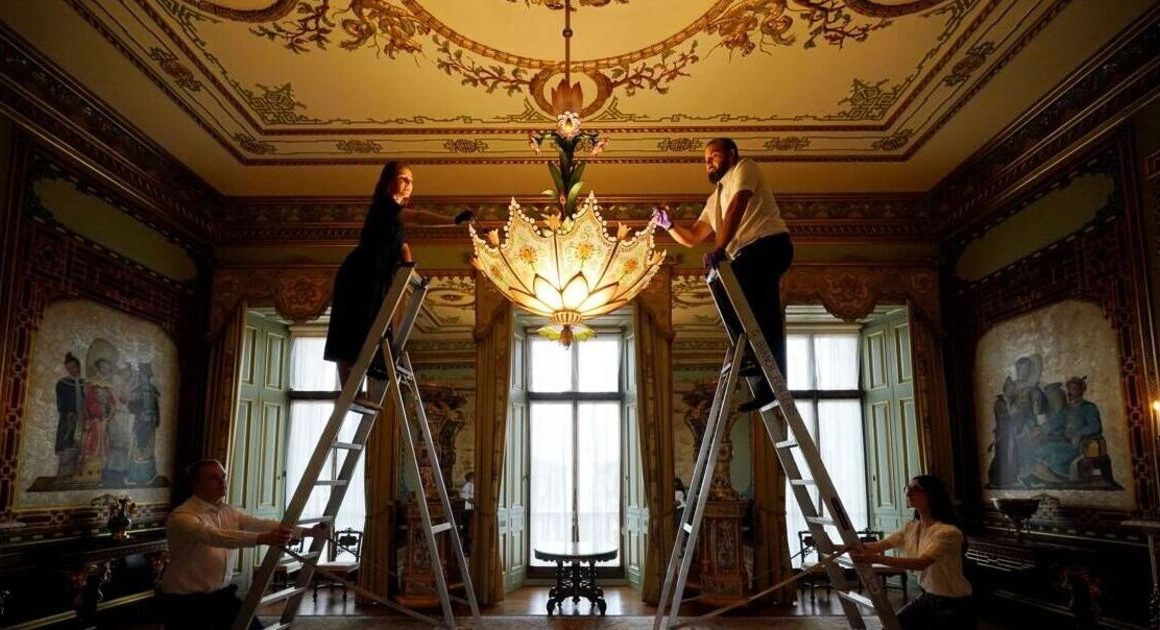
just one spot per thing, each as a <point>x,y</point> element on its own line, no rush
<point>820,520</point>
<point>786,444</point>
<point>315,519</point>
<point>277,626</point>
<point>687,527</point>
<point>331,482</point>
<point>769,407</point>
<point>285,593</point>
<point>857,598</point>
<point>291,559</point>
<point>441,527</point>
<point>404,373</point>
<point>802,482</point>
<point>350,446</point>
<point>365,407</point>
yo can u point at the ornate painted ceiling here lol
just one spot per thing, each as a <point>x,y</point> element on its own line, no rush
<point>305,97</point>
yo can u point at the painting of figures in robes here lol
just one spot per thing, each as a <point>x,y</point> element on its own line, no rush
<point>1050,408</point>
<point>101,408</point>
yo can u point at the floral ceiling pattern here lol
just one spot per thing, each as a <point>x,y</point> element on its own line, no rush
<point>317,83</point>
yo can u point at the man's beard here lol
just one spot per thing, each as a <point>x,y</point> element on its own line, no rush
<point>716,175</point>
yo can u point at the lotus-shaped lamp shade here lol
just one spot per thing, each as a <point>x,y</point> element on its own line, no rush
<point>567,269</point>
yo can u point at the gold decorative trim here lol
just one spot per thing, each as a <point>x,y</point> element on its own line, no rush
<point>276,11</point>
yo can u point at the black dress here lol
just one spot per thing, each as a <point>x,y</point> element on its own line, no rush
<point>362,283</point>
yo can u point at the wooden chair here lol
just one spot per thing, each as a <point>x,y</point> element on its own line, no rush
<point>288,568</point>
<point>809,547</point>
<point>342,559</point>
<point>883,571</point>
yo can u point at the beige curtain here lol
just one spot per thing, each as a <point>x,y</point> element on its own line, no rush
<point>771,549</point>
<point>382,486</point>
<point>493,339</point>
<point>653,326</point>
<point>225,354</point>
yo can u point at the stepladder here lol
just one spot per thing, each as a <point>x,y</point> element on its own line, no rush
<point>751,362</point>
<point>391,381</point>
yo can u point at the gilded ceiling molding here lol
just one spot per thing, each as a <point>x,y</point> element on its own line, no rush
<point>297,293</point>
<point>275,11</point>
<point>850,292</point>
<point>1111,88</point>
<point>115,156</point>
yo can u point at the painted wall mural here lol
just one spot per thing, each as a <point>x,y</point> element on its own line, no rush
<point>1050,408</point>
<point>100,409</point>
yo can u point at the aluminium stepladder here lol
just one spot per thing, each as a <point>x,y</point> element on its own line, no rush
<point>787,432</point>
<point>400,376</point>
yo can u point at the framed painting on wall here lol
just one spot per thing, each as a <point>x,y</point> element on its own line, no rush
<point>1050,408</point>
<point>100,410</point>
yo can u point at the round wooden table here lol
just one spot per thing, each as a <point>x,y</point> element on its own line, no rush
<point>575,572</point>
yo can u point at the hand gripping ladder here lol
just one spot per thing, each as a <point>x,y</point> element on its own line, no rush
<point>788,433</point>
<point>399,376</point>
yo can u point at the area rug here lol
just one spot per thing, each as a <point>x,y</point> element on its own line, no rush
<point>580,623</point>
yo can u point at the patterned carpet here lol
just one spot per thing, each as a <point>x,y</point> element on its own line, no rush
<point>579,623</point>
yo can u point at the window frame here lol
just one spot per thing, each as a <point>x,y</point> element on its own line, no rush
<point>576,397</point>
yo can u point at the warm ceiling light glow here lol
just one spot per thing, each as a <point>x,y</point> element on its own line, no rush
<point>568,269</point>
<point>1156,406</point>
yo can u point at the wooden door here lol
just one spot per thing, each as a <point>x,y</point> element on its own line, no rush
<point>257,467</point>
<point>635,525</point>
<point>513,513</point>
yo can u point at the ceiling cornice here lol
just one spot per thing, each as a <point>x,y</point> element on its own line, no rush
<point>1083,110</point>
<point>72,122</point>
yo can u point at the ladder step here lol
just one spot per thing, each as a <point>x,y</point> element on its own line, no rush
<point>350,446</point>
<point>315,519</point>
<point>821,520</point>
<point>802,482</point>
<point>331,482</point>
<point>786,444</point>
<point>769,407</point>
<point>441,527</point>
<point>857,598</point>
<point>277,626</point>
<point>310,555</point>
<point>285,593</point>
<point>687,527</point>
<point>365,407</point>
<point>404,373</point>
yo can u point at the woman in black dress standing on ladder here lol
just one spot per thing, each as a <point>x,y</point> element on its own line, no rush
<point>365,276</point>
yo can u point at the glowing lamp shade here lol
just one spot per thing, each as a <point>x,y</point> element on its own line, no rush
<point>568,270</point>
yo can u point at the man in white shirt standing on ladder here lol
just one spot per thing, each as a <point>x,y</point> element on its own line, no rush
<point>748,229</point>
<point>203,535</point>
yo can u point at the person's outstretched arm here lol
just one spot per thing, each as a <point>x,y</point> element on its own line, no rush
<point>424,217</point>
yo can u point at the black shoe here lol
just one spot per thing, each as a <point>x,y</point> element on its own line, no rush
<point>756,404</point>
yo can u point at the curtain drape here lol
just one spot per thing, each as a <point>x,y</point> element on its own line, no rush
<point>382,485</point>
<point>493,342</point>
<point>652,324</point>
<point>930,393</point>
<point>225,354</point>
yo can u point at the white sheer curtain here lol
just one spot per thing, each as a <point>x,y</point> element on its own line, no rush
<point>821,362</point>
<point>550,475</point>
<point>310,373</point>
<point>598,478</point>
<point>575,443</point>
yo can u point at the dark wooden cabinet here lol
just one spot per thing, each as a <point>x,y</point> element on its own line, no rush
<point>1074,586</point>
<point>81,582</point>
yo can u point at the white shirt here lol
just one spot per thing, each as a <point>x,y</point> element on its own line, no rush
<point>203,539</point>
<point>942,543</point>
<point>468,493</point>
<point>762,216</point>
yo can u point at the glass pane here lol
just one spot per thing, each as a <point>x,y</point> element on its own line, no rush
<point>795,522</point>
<point>550,477</point>
<point>797,362</point>
<point>836,361</point>
<point>598,478</point>
<point>307,420</point>
<point>309,372</point>
<point>550,367</point>
<point>599,364</point>
<point>844,453</point>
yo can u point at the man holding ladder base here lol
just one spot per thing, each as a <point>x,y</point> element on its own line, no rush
<point>400,378</point>
<point>748,229</point>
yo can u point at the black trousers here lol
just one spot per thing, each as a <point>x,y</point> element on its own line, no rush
<point>202,611</point>
<point>935,611</point>
<point>759,267</point>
